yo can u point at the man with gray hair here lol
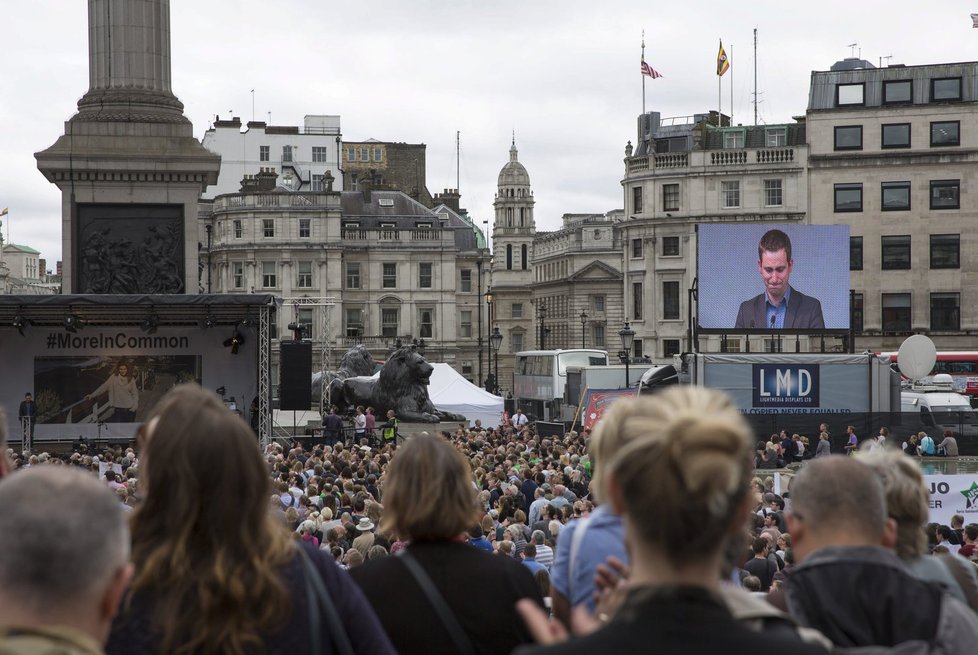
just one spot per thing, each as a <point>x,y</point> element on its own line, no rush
<point>849,584</point>
<point>64,564</point>
<point>545,554</point>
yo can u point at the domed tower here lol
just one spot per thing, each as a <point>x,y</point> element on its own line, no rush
<point>512,275</point>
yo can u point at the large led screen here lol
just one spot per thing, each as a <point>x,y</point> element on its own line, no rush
<point>771,277</point>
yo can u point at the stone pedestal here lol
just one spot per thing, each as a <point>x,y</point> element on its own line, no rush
<point>128,166</point>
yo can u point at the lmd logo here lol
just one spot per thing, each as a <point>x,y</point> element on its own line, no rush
<point>779,385</point>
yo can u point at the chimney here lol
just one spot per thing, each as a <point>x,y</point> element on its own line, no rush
<point>366,186</point>
<point>450,198</point>
<point>263,182</point>
<point>42,268</point>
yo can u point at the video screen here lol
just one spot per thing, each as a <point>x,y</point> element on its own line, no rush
<point>771,277</point>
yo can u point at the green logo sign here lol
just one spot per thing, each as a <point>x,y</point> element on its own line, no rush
<point>971,495</point>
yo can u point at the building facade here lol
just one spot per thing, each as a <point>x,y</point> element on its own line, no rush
<point>353,267</point>
<point>304,157</point>
<point>683,172</point>
<point>893,154</point>
<point>385,165</point>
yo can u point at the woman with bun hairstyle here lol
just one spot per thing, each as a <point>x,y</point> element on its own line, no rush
<point>215,571</point>
<point>681,483</point>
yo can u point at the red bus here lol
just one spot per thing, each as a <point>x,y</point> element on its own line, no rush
<point>962,366</point>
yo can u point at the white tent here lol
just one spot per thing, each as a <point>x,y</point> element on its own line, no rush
<point>450,392</point>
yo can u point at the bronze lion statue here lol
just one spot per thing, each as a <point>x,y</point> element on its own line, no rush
<point>356,361</point>
<point>401,386</point>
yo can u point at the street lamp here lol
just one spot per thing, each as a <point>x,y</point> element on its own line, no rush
<point>583,327</point>
<point>542,313</point>
<point>496,340</point>
<point>488,294</point>
<point>627,335</point>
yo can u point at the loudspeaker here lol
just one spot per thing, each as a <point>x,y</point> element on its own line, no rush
<point>295,375</point>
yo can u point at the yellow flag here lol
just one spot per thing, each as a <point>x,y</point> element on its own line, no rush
<point>722,62</point>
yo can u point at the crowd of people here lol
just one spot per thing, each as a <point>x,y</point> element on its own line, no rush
<point>656,532</point>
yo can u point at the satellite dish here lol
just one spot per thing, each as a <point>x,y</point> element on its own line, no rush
<point>917,356</point>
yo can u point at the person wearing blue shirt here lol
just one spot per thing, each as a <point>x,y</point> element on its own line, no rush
<point>529,559</point>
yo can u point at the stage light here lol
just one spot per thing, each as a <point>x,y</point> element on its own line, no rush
<point>150,323</point>
<point>73,323</point>
<point>20,323</point>
<point>208,322</point>
<point>234,342</point>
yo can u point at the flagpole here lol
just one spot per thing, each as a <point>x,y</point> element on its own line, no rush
<point>730,62</point>
<point>719,94</point>
<point>643,73</point>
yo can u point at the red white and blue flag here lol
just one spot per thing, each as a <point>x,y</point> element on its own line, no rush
<point>651,72</point>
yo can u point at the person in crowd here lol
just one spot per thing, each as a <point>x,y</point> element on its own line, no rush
<point>680,482</point>
<point>529,557</point>
<point>760,566</point>
<point>907,500</point>
<point>927,447</point>
<point>214,572</point>
<point>545,554</point>
<point>430,502</point>
<point>370,425</point>
<point>949,445</point>
<point>824,448</point>
<point>841,534</point>
<point>910,446</point>
<point>852,442</point>
<point>359,425</point>
<point>332,427</point>
<point>64,563</point>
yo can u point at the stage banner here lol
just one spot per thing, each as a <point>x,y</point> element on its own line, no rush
<point>597,402</point>
<point>952,494</point>
<point>102,382</point>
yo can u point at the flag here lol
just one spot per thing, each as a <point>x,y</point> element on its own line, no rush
<point>974,20</point>
<point>651,72</point>
<point>722,62</point>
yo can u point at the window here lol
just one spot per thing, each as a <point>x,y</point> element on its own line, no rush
<point>733,139</point>
<point>857,312</point>
<point>426,322</point>
<point>897,91</point>
<point>848,198</point>
<point>237,228</point>
<point>775,137</point>
<point>467,370</point>
<point>948,88</point>
<point>352,275</point>
<point>597,303</point>
<point>320,153</point>
<point>773,195</point>
<point>305,228</point>
<point>945,194</point>
<point>268,227</point>
<point>670,347</point>
<point>389,320</point>
<point>855,253</point>
<point>670,197</point>
<point>670,300</point>
<point>364,153</point>
<point>945,311</point>
<point>896,196</point>
<point>730,194</point>
<point>424,275</point>
<point>670,246</point>
<point>849,137</point>
<point>286,153</point>
<point>597,336</point>
<point>895,135</point>
<point>268,278</point>
<point>466,280</point>
<point>945,133</point>
<point>264,153</point>
<point>317,182</point>
<point>304,275</point>
<point>378,153</point>
<point>351,154</point>
<point>636,248</point>
<point>896,253</point>
<point>636,200</point>
<point>465,324</point>
<point>353,317</point>
<point>945,251</point>
<point>637,300</point>
<point>848,94</point>
<point>509,256</point>
<point>896,312</point>
<point>516,310</point>
<point>524,257</point>
<point>516,338</point>
<point>237,272</point>
<point>730,346</point>
<point>390,276</point>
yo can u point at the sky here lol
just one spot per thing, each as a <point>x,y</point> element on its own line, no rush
<point>563,75</point>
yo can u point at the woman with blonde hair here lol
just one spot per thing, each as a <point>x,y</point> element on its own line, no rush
<point>681,483</point>
<point>215,572</point>
<point>441,595</point>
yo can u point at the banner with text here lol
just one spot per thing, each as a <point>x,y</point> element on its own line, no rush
<point>952,494</point>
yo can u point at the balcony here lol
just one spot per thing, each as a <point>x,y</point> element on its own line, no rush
<point>675,161</point>
<point>267,200</point>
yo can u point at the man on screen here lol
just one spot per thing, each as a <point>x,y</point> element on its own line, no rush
<point>780,306</point>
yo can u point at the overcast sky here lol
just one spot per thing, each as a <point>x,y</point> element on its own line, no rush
<point>563,74</point>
